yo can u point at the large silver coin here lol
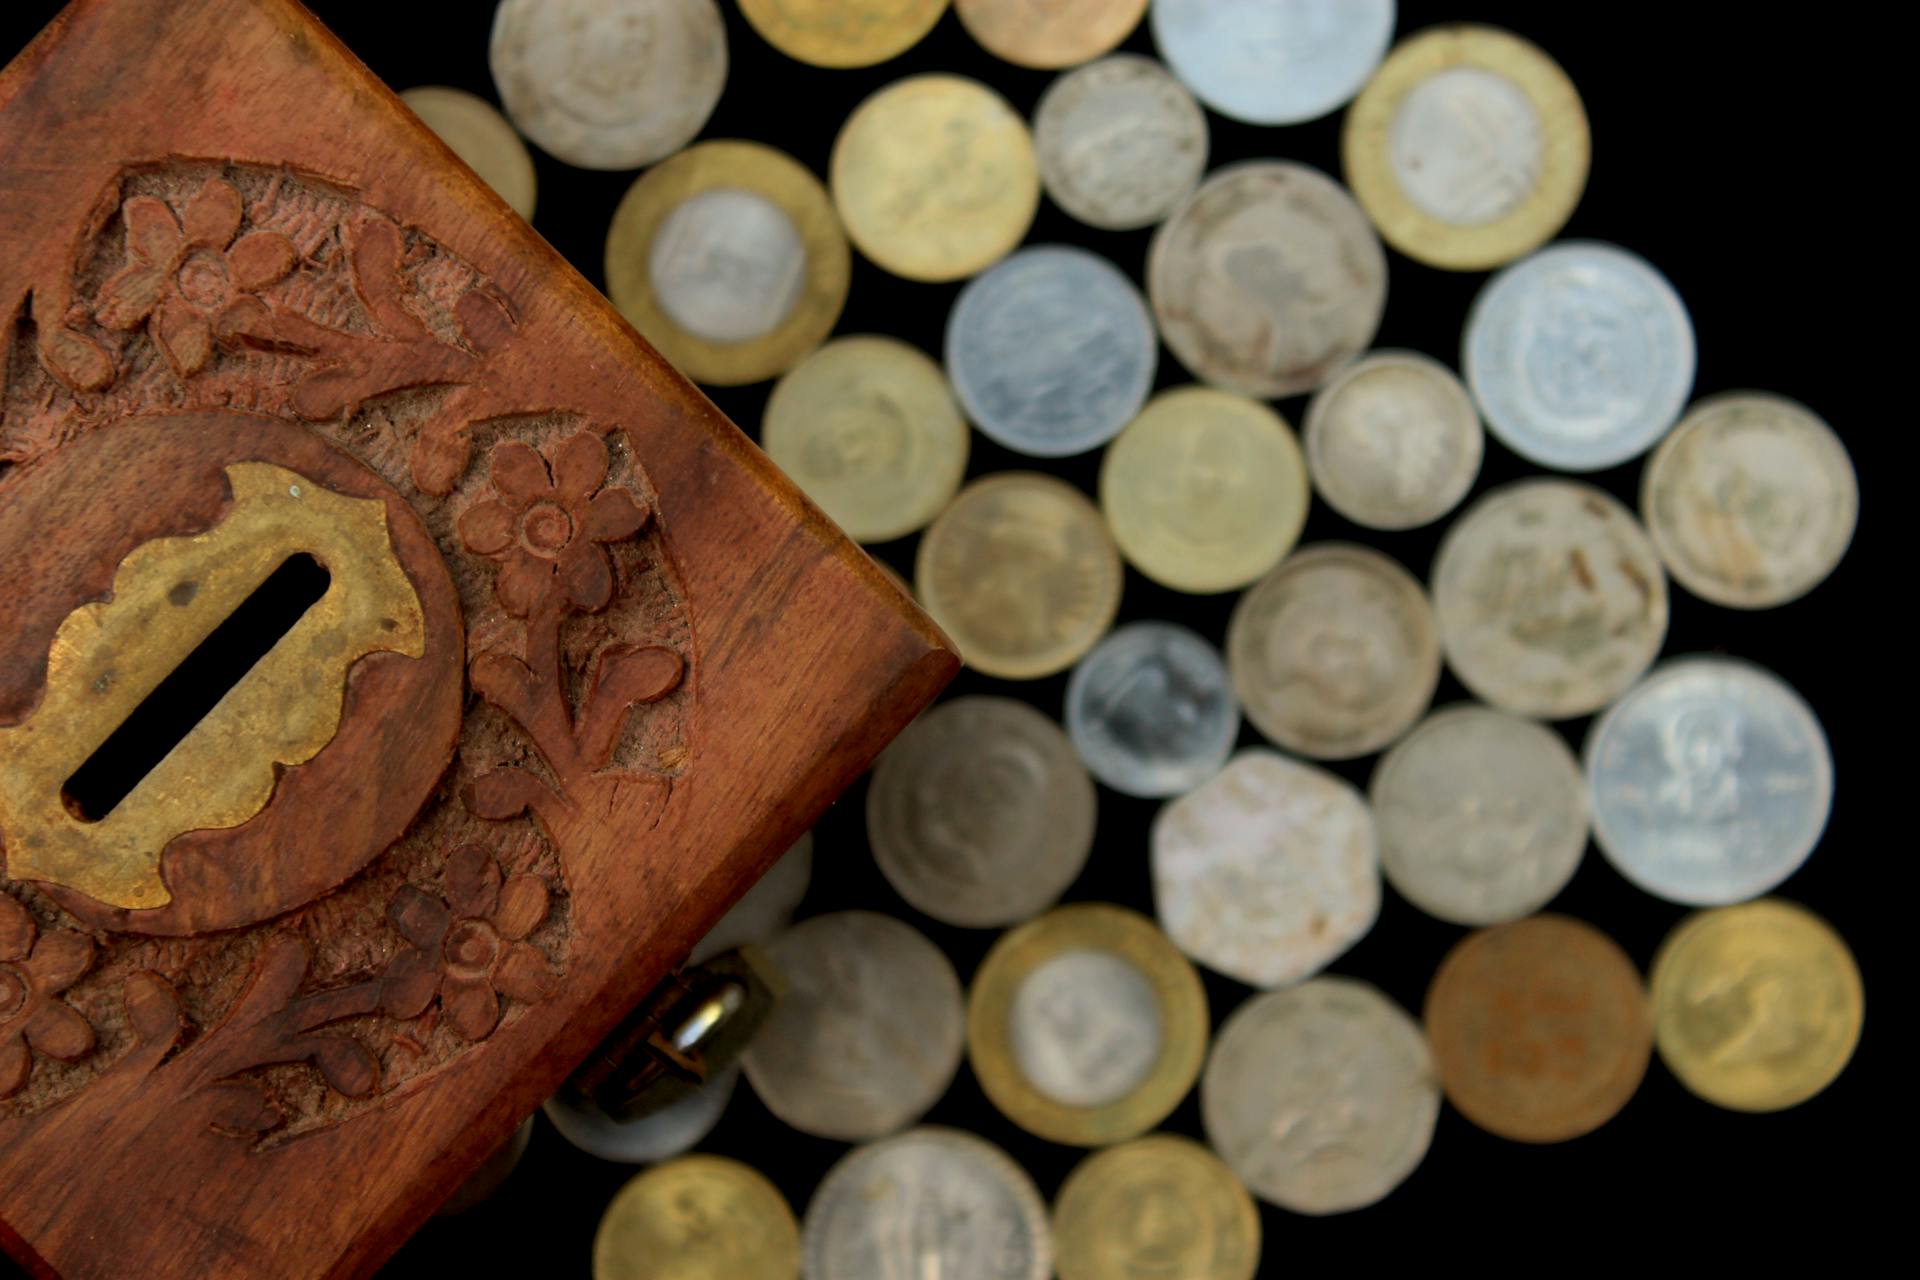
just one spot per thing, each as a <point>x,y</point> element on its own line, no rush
<point>767,908</point>
<point>1273,61</point>
<point>1393,442</point>
<point>1711,781</point>
<point>1121,142</point>
<point>666,1133</point>
<point>1151,711</point>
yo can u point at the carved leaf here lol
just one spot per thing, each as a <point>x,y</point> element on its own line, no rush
<point>375,252</point>
<point>277,974</point>
<point>506,793</point>
<point>625,679</point>
<point>507,682</point>
<point>241,1107</point>
<point>439,459</point>
<point>77,360</point>
<point>484,321</point>
<point>324,394</point>
<point>347,1065</point>
<point>153,1010</point>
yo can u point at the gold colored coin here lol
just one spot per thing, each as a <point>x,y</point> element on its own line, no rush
<point>1205,490</point>
<point>935,177</point>
<point>1468,148</point>
<point>1157,1208</point>
<point>697,1218</point>
<point>1756,1007</point>
<point>1049,34</point>
<point>482,138</point>
<point>729,259</point>
<point>1086,1026</point>
<point>842,33</point>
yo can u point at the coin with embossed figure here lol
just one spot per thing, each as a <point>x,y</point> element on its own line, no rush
<point>697,1218</point>
<point>1393,442</point>
<point>481,137</point>
<point>1160,1207</point>
<point>1120,142</point>
<point>1049,33</point>
<point>659,1135</point>
<point>1151,710</point>
<point>842,33</point>
<point>1273,61</point>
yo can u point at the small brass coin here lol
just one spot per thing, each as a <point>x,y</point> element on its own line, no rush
<point>1049,34</point>
<point>1155,1208</point>
<point>842,33</point>
<point>697,1218</point>
<point>482,138</point>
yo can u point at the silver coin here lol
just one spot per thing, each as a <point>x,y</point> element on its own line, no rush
<point>869,1033</point>
<point>1151,711</point>
<point>1051,351</point>
<point>1580,356</point>
<point>1322,1098</point>
<point>727,265</point>
<point>1482,816</point>
<point>1267,871</point>
<point>1120,141</point>
<point>1085,1028</point>
<point>1711,781</point>
<point>930,1203</point>
<point>666,1133</point>
<point>766,909</point>
<point>980,814</point>
<point>1393,442</point>
<point>1273,61</point>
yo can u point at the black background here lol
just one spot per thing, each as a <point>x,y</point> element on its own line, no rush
<point>1737,156</point>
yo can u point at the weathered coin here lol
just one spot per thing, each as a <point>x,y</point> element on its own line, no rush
<point>1156,1208</point>
<point>609,84</point>
<point>1751,501</point>
<point>1711,781</point>
<point>842,33</point>
<point>1151,710</point>
<point>1266,871</point>
<point>675,1128</point>
<point>1580,356</point>
<point>1121,142</point>
<point>1393,442</point>
<point>1051,351</point>
<point>1482,816</point>
<point>1468,148</point>
<point>1550,598</point>
<point>1756,1007</point>
<point>869,1033</point>
<point>1267,279</point>
<point>766,909</point>
<point>697,1218</point>
<point>481,137</point>
<point>1049,33</point>
<point>1273,61</point>
<point>1205,490</point>
<point>1540,1028</point>
<point>1021,572</point>
<point>935,177</point>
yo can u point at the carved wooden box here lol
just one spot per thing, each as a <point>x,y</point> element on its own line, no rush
<point>567,661</point>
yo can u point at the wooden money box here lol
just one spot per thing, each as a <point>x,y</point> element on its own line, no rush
<point>402,665</point>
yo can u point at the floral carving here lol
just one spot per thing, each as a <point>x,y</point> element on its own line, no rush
<point>34,969</point>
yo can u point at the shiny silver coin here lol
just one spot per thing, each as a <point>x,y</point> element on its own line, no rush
<point>767,908</point>
<point>1393,442</point>
<point>668,1132</point>
<point>1151,710</point>
<point>1085,1028</point>
<point>1121,142</point>
<point>1273,61</point>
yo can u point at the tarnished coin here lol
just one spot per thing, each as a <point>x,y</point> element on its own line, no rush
<point>1751,501</point>
<point>1393,442</point>
<point>1267,279</point>
<point>1156,1208</point>
<point>842,33</point>
<point>1051,351</point>
<point>1121,142</point>
<point>1151,710</point>
<point>1273,61</point>
<point>1468,148</point>
<point>697,1218</point>
<point>1580,356</point>
<point>766,909</point>
<point>930,1202</point>
<point>1021,572</point>
<point>1322,1098</point>
<point>1711,781</point>
<point>1049,33</point>
<point>1540,1028</point>
<point>481,137</point>
<point>1266,871</point>
<point>1482,816</point>
<point>980,813</point>
<point>1334,653</point>
<point>1205,490</point>
<point>869,1033</point>
<point>661,1135</point>
<point>935,177</point>
<point>609,84</point>
<point>1756,1007</point>
<point>1551,600</point>
<point>869,428</point>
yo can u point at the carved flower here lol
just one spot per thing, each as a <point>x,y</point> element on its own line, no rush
<point>33,973</point>
<point>546,523</point>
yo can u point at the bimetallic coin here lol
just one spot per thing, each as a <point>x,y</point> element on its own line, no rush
<point>1711,781</point>
<point>1756,1007</point>
<point>1156,1208</point>
<point>1051,351</point>
<point>1266,871</point>
<point>1322,1098</point>
<point>609,84</point>
<point>675,1128</point>
<point>1580,356</point>
<point>1121,142</point>
<point>1393,442</point>
<point>1151,710</point>
<point>842,33</point>
<point>1751,501</point>
<point>870,1031</point>
<point>1267,279</point>
<point>697,1218</point>
<point>1049,33</point>
<point>1273,61</point>
<point>481,137</point>
<point>766,909</point>
<point>1551,600</point>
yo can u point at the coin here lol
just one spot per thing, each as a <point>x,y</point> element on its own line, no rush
<point>980,813</point>
<point>1751,501</point>
<point>1540,1028</point>
<point>1049,33</point>
<point>1711,781</point>
<point>1468,148</point>
<point>1334,653</point>
<point>766,909</point>
<point>1266,871</point>
<point>1205,490</point>
<point>481,137</point>
<point>1322,1097</point>
<point>1021,573</point>
<point>1120,142</point>
<point>660,1135</point>
<point>1267,279</point>
<point>1156,1208</point>
<point>1756,1007</point>
<point>935,177</point>
<point>869,1033</point>
<point>1393,442</point>
<point>1551,600</point>
<point>609,84</point>
<point>842,33</point>
<point>1273,61</point>
<point>1051,351</point>
<point>1482,816</point>
<point>1151,710</point>
<point>697,1218</point>
<point>929,1203</point>
<point>1580,356</point>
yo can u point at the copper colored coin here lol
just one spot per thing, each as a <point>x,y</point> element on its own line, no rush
<point>1049,34</point>
<point>1540,1029</point>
